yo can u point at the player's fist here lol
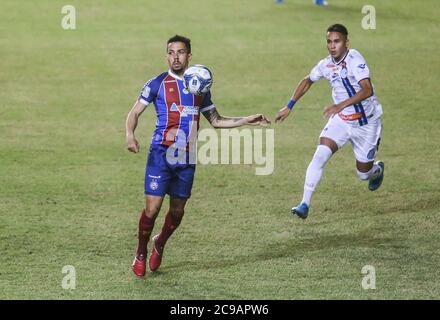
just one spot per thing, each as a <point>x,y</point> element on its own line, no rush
<point>257,119</point>
<point>282,114</point>
<point>132,144</point>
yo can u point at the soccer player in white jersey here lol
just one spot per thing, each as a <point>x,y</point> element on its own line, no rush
<point>354,117</point>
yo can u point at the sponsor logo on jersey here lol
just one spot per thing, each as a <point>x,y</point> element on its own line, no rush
<point>362,66</point>
<point>185,110</point>
<point>330,65</point>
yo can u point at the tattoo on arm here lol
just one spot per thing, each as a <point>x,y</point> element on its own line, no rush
<point>212,115</point>
<point>219,121</point>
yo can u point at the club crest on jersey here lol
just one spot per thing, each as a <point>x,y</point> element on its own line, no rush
<point>154,184</point>
<point>344,72</point>
<point>185,110</point>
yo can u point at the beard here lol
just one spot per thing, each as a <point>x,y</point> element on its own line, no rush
<point>178,69</point>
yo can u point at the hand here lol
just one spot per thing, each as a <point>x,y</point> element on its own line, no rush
<point>133,145</point>
<point>330,111</point>
<point>257,119</point>
<point>282,114</point>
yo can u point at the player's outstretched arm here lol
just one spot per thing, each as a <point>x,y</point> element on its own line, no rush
<point>218,121</point>
<point>300,90</point>
<point>131,124</point>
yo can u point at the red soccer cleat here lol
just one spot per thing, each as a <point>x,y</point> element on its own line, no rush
<point>156,255</point>
<point>139,265</point>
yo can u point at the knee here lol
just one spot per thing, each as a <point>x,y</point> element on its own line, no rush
<point>322,155</point>
<point>177,213</point>
<point>152,211</point>
<point>363,175</point>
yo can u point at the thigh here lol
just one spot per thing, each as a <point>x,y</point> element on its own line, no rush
<point>336,130</point>
<point>182,182</point>
<point>157,173</point>
<point>365,141</point>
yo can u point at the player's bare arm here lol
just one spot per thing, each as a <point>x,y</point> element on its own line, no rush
<point>300,90</point>
<point>219,121</point>
<point>365,92</point>
<point>131,124</point>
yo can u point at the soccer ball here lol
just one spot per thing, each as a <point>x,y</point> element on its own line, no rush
<point>197,79</point>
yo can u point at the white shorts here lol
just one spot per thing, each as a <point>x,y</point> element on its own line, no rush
<point>364,139</point>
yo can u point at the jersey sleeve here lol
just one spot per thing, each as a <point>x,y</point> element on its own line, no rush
<point>316,72</point>
<point>207,103</point>
<point>149,91</point>
<point>359,68</point>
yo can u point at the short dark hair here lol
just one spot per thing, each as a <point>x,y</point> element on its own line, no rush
<point>183,39</point>
<point>338,28</point>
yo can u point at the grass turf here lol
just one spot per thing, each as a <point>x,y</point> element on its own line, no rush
<point>70,194</point>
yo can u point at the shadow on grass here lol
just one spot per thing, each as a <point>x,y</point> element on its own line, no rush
<point>289,248</point>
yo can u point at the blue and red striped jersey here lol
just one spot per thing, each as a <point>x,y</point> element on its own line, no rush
<point>178,111</point>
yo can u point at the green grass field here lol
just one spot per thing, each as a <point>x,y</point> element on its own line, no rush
<point>70,194</point>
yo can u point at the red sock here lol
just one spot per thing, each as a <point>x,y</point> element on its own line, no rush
<point>145,227</point>
<point>171,224</point>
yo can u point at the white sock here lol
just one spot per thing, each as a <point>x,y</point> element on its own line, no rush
<point>314,172</point>
<point>307,196</point>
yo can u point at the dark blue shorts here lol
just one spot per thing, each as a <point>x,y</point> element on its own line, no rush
<point>162,178</point>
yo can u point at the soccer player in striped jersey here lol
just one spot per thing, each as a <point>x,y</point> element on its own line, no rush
<point>167,171</point>
<point>354,117</point>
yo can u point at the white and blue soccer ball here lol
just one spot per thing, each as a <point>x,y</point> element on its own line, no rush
<point>197,79</point>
